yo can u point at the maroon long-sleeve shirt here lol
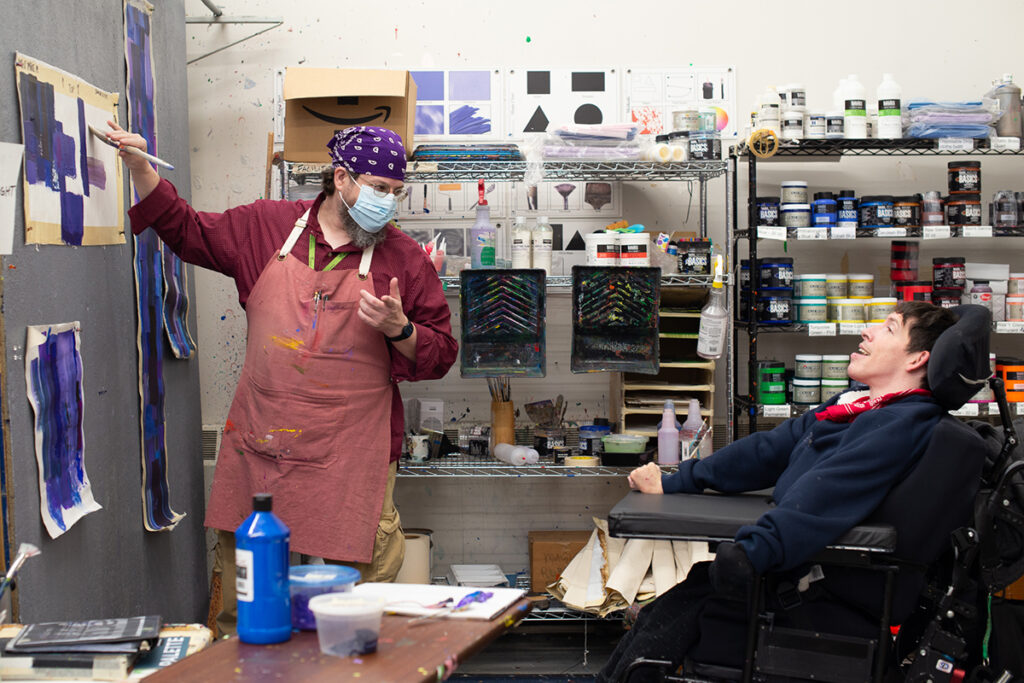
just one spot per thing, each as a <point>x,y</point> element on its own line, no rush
<point>240,242</point>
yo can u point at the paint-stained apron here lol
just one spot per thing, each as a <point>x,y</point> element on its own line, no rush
<point>310,421</point>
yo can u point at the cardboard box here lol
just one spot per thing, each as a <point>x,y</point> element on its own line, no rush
<point>550,553</point>
<point>320,102</point>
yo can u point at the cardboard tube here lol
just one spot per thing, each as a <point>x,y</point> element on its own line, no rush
<point>503,422</point>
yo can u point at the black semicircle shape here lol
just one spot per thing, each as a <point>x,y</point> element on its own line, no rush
<point>588,113</point>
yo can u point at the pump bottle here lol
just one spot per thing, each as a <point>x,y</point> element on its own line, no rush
<point>482,235</point>
<point>668,436</point>
<point>261,576</point>
<point>713,318</point>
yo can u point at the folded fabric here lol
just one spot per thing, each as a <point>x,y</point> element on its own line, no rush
<point>928,130</point>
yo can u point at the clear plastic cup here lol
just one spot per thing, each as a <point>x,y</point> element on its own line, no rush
<point>346,623</point>
<point>309,580</point>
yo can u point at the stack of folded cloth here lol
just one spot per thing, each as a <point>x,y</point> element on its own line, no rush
<point>597,142</point>
<point>951,119</point>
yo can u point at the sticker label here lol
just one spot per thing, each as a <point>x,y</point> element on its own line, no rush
<point>243,575</point>
<point>856,108</point>
<point>892,232</point>
<point>966,410</point>
<point>1010,327</point>
<point>821,329</point>
<point>977,230</point>
<point>936,232</point>
<point>852,328</point>
<point>771,232</point>
<point>889,107</point>
<point>844,233</point>
<point>812,233</point>
<point>777,411</point>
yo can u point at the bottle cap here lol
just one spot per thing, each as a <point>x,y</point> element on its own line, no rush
<point>262,502</point>
<point>669,405</point>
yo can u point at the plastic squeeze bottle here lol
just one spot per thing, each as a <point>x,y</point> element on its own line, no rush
<point>668,436</point>
<point>482,235</point>
<point>261,576</point>
<point>713,319</point>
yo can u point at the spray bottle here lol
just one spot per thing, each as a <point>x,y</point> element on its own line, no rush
<point>261,576</point>
<point>482,235</point>
<point>714,321</point>
<point>668,436</point>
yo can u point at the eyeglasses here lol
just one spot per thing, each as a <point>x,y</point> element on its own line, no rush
<point>383,190</point>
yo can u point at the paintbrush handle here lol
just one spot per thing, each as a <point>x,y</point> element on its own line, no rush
<point>147,156</point>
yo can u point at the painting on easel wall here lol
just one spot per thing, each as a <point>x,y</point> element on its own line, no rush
<point>53,379</point>
<point>73,187</point>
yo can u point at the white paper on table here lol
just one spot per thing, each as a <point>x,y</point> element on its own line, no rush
<point>10,167</point>
<point>413,599</point>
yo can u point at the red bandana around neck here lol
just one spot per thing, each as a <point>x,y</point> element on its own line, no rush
<point>847,411</point>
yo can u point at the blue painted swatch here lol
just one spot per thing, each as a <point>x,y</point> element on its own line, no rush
<point>429,85</point>
<point>469,85</point>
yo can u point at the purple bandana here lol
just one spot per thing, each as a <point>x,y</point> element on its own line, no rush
<point>367,149</point>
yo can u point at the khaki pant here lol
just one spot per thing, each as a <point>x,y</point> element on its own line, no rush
<point>388,555</point>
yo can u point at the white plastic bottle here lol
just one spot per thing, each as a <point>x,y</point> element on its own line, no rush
<point>1008,94</point>
<point>691,425</point>
<point>855,106</point>
<point>890,112</point>
<point>668,436</point>
<point>512,455</point>
<point>542,238</point>
<point>522,237</point>
<point>714,318</point>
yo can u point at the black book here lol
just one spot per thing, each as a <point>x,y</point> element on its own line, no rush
<point>112,636</point>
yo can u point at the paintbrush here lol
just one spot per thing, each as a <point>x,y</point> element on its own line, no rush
<point>25,551</point>
<point>131,150</point>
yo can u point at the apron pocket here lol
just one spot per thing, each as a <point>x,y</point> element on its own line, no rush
<point>289,428</point>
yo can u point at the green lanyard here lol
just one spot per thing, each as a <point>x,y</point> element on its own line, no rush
<point>312,252</point>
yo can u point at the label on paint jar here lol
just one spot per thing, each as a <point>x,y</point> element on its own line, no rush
<point>834,125</point>
<point>856,108</point>
<point>768,214</point>
<point>889,107</point>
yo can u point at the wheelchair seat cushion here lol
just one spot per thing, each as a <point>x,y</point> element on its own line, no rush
<point>959,363</point>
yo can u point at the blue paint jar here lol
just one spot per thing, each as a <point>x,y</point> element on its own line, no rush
<point>876,211</point>
<point>774,305</point>
<point>590,438</point>
<point>261,571</point>
<point>767,211</point>
<point>823,210</point>
<point>846,210</point>
<point>777,272</point>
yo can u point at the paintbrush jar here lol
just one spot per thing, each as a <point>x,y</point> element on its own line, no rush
<point>503,423</point>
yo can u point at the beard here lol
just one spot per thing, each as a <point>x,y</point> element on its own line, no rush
<point>360,237</point>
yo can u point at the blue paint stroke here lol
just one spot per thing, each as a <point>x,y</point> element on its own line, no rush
<point>176,305</point>
<point>83,158</point>
<point>57,385</point>
<point>149,276</point>
<point>464,121</point>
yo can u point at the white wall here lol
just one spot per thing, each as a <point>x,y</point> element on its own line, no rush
<point>933,48</point>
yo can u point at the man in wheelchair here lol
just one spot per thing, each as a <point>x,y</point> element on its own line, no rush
<point>851,460</point>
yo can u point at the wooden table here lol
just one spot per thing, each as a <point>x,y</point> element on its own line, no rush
<point>404,653</point>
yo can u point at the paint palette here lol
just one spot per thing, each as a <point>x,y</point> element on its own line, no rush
<point>502,323</point>
<point>615,319</point>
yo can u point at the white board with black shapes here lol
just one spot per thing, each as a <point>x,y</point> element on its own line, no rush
<point>539,98</point>
<point>652,95</point>
<point>458,105</point>
<point>582,198</point>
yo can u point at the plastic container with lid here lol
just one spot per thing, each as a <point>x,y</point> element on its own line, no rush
<point>809,285</point>
<point>306,581</point>
<point>981,294</point>
<point>807,366</point>
<point>964,177</point>
<point>877,309</point>
<point>705,145</point>
<point>933,208</point>
<point>634,248</point>
<point>949,272</point>
<point>834,366</point>
<point>602,248</point>
<point>847,215</point>
<point>914,290</point>
<point>796,215</point>
<point>836,286</point>
<point>1015,285</point>
<point>875,211</point>
<point>816,126</point>
<point>591,438</point>
<point>850,310</point>
<point>903,260</point>
<point>774,306</point>
<point>963,209</point>
<point>811,310</point>
<point>695,258</point>
<point>1015,307</point>
<point>835,125</point>
<point>806,391</point>
<point>906,211</point>
<point>347,623</point>
<point>624,443</point>
<point>794,192</point>
<point>823,209</point>
<point>771,393</point>
<point>860,285</point>
<point>947,298</point>
<point>777,272</point>
<point>768,211</point>
<point>792,125</point>
<point>830,387</point>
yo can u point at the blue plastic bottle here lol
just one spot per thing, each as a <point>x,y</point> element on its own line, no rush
<point>261,576</point>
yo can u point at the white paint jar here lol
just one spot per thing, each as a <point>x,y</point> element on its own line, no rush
<point>831,387</point>
<point>810,285</point>
<point>815,129</point>
<point>807,391</point>
<point>602,249</point>
<point>876,310</point>
<point>807,366</point>
<point>850,310</point>
<point>794,192</point>
<point>833,367</point>
<point>860,285</point>
<point>835,125</point>
<point>792,125</point>
<point>634,248</point>
<point>813,310</point>
<point>836,286</point>
<point>796,215</point>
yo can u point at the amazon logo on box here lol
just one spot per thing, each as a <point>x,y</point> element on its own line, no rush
<point>319,102</point>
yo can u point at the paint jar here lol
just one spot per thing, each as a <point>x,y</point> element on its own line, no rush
<point>876,310</point>
<point>602,249</point>
<point>875,211</point>
<point>771,110</point>
<point>860,285</point>
<point>933,209</point>
<point>835,125</point>
<point>834,366</point>
<point>560,454</point>
<point>1015,307</point>
<point>963,209</point>
<point>914,290</point>
<point>981,294</point>
<point>771,385</point>
<point>836,286</point>
<point>807,366</point>
<point>1004,209</point>
<point>964,177</point>
<point>903,261</point>
<point>545,439</point>
<point>705,145</point>
<point>591,438</point>
<point>773,306</point>
<point>831,387</point>
<point>794,191</point>
<point>949,272</point>
<point>809,285</point>
<point>947,298</point>
<point>695,258</point>
<point>634,248</point>
<point>777,272</point>
<point>846,209</point>
<point>807,391</point>
<point>906,211</point>
<point>794,96</point>
<point>823,210</point>
<point>850,310</point>
<point>815,126</point>
<point>306,581</point>
<point>767,211</point>
<point>813,310</point>
<point>796,215</point>
<point>792,125</point>
<point>708,120</point>
<point>687,119</point>
<point>1015,285</point>
<point>1012,372</point>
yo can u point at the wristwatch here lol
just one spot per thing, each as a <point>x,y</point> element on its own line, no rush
<point>404,334</point>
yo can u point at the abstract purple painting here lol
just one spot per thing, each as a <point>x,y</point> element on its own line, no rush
<point>73,189</point>
<point>53,379</point>
<point>149,283</point>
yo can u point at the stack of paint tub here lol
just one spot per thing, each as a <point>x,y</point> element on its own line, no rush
<point>775,294</point>
<point>949,276</point>
<point>771,382</point>
<point>795,210</point>
<point>816,378</point>
<point>903,272</point>
<point>810,302</point>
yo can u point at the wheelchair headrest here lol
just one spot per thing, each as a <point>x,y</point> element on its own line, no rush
<point>959,364</point>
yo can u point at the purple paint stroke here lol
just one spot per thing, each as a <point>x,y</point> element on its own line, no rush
<point>65,156</point>
<point>97,172</point>
<point>176,305</point>
<point>72,216</point>
<point>37,116</point>
<point>57,384</point>
<point>83,137</point>
<point>429,85</point>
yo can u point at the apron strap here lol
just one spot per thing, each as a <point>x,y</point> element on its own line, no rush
<point>289,243</point>
<point>338,258</point>
<point>364,262</point>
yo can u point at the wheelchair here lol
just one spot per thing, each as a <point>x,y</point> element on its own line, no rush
<point>932,571</point>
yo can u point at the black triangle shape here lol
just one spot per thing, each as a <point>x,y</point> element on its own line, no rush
<point>538,123</point>
<point>576,243</point>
